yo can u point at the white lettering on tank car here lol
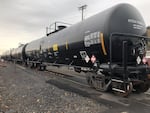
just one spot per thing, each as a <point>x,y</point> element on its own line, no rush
<point>91,39</point>
<point>136,24</point>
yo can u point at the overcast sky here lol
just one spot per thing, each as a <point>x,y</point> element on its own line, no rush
<point>22,21</point>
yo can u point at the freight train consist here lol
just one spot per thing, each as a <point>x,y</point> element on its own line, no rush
<point>110,47</point>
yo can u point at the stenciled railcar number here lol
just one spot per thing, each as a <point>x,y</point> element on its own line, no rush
<point>91,39</point>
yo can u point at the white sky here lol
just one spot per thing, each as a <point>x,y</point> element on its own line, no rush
<point>22,21</point>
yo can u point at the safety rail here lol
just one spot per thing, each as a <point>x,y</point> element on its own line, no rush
<point>124,50</point>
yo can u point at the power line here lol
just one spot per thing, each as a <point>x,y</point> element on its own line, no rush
<point>82,8</point>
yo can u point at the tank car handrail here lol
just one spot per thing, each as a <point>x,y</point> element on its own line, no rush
<point>121,34</point>
<point>128,34</point>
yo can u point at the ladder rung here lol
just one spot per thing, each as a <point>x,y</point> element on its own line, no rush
<point>115,80</point>
<point>119,90</point>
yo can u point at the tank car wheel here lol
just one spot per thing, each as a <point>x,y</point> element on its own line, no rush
<point>140,88</point>
<point>35,65</point>
<point>98,82</point>
<point>31,65</point>
<point>127,88</point>
<point>77,69</point>
<point>42,68</point>
<point>90,80</point>
<point>25,64</point>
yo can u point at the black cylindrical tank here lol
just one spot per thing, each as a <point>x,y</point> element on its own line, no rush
<point>90,37</point>
<point>19,53</point>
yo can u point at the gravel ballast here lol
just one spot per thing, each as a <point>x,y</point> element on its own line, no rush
<point>24,92</point>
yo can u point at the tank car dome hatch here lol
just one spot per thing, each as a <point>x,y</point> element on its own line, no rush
<point>60,27</point>
<point>55,27</point>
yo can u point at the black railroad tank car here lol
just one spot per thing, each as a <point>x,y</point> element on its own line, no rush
<point>18,54</point>
<point>110,43</point>
<point>90,37</point>
<point>34,49</point>
<point>6,55</point>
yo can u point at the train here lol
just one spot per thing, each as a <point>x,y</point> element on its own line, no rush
<point>110,47</point>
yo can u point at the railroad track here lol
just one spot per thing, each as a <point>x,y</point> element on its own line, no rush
<point>72,78</point>
<point>73,83</point>
<point>102,95</point>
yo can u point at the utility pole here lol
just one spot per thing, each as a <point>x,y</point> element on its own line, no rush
<point>82,8</point>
